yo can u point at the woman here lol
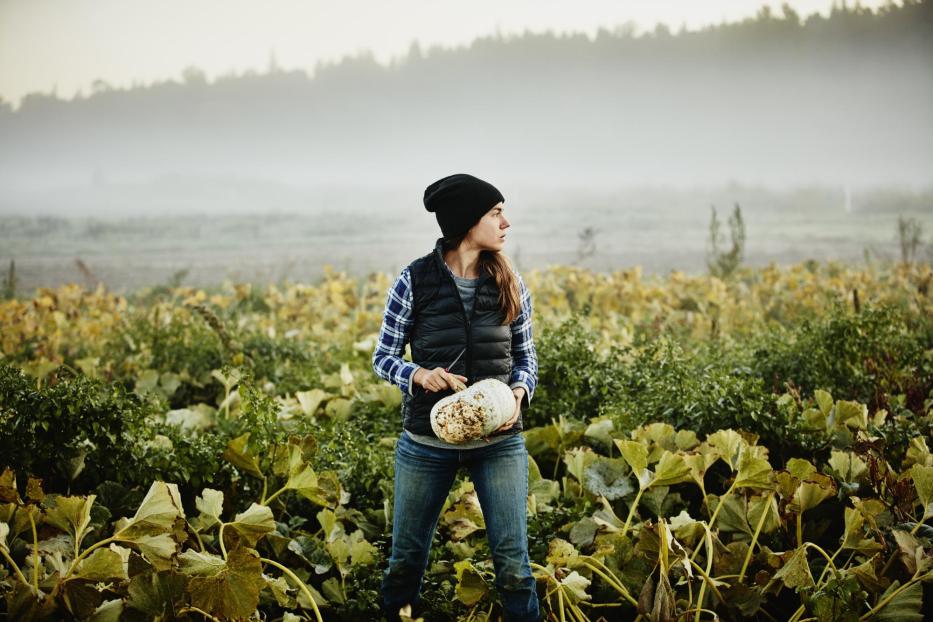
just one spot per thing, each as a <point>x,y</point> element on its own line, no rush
<point>467,315</point>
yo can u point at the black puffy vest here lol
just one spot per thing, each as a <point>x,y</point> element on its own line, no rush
<point>441,330</point>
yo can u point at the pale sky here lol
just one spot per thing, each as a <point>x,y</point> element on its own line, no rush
<point>65,45</point>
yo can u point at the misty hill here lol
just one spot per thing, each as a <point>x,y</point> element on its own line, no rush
<point>778,99</point>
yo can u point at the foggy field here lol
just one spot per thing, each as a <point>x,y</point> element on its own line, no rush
<point>656,229</point>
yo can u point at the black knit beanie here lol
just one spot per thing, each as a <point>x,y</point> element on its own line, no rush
<point>459,201</point>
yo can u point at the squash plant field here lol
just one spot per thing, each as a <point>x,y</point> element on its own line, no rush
<point>700,449</point>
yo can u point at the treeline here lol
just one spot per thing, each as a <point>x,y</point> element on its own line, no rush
<point>907,26</point>
<point>778,97</point>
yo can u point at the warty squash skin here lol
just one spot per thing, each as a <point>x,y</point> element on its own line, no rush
<point>474,412</point>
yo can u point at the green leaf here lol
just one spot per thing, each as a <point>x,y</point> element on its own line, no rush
<point>577,461</point>
<point>606,517</point>
<point>170,382</point>
<point>471,587</point>
<point>753,472</point>
<point>866,575</point>
<point>319,599</point>
<point>80,598</point>
<point>904,607</point>
<point>158,549</point>
<point>728,443</point>
<point>656,499</point>
<point>362,552</point>
<point>157,593</point>
<point>157,513</point>
<point>699,462</point>
<point>687,530</point>
<point>918,452</point>
<point>854,537</point>
<point>922,477</point>
<point>600,430</point>
<point>759,504</point>
<point>815,419</point>
<point>796,571</point>
<point>333,591</point>
<point>542,441</point>
<point>839,599</point>
<point>210,505</point>
<point>562,554</point>
<point>229,590</point>
<point>847,466</point>
<point>253,524</point>
<point>733,514</point>
<point>635,454</point>
<point>583,532</point>
<point>671,469</point>
<point>850,414</point>
<point>238,454</point>
<point>350,551</point>
<point>331,527</point>
<point>339,409</point>
<point>70,514</point>
<point>193,418</point>
<point>686,440</point>
<point>812,492</point>
<point>8,491</point>
<point>746,599</point>
<point>147,380</point>
<point>911,551</point>
<point>109,611</point>
<point>102,565</point>
<point>323,489</point>
<point>22,603</point>
<point>656,437</point>
<point>151,527</point>
<point>281,591</point>
<point>197,563</point>
<point>824,400</point>
<point>310,401</point>
<point>541,491</point>
<point>609,478</point>
<point>229,380</point>
<point>465,516</point>
<point>800,468</point>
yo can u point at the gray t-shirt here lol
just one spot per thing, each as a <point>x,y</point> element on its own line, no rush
<point>467,288</point>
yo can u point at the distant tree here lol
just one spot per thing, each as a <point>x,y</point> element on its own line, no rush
<point>909,232</point>
<point>722,263</point>
<point>193,75</point>
<point>100,86</point>
<point>587,245</point>
<point>789,14</point>
<point>9,282</point>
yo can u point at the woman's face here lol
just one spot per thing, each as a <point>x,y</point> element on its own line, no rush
<point>489,232</point>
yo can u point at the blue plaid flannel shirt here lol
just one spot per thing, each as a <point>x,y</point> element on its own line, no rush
<point>396,329</point>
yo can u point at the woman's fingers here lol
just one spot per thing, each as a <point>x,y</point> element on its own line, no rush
<point>438,379</point>
<point>454,381</point>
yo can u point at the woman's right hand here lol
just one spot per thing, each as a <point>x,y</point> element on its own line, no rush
<point>437,379</point>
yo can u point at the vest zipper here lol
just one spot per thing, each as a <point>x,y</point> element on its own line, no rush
<point>469,322</point>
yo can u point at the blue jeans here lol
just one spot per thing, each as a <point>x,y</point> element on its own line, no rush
<point>423,477</point>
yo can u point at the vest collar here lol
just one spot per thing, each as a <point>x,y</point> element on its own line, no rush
<point>442,265</point>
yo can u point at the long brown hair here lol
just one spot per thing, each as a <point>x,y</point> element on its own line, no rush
<point>500,267</point>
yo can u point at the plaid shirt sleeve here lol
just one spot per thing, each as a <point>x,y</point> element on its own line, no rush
<point>394,334</point>
<point>524,356</point>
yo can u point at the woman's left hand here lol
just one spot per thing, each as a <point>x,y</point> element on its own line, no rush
<point>519,393</point>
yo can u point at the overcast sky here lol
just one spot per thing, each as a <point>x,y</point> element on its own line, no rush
<point>67,44</point>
